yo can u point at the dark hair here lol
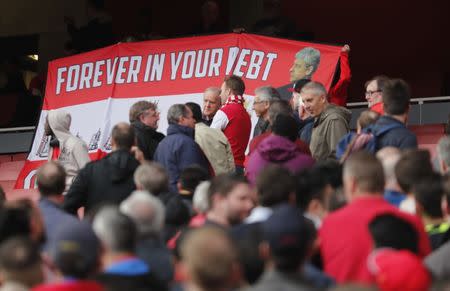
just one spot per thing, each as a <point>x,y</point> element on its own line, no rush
<point>196,111</point>
<point>337,200</point>
<point>285,126</point>
<point>380,80</point>
<point>390,231</point>
<point>17,253</point>
<point>274,184</point>
<point>235,84</point>
<point>248,237</point>
<point>446,187</point>
<point>396,96</point>
<point>20,260</point>
<point>123,136</point>
<point>412,166</point>
<point>311,184</point>
<point>428,192</point>
<point>223,184</point>
<point>289,259</point>
<point>2,196</point>
<point>278,107</point>
<point>331,170</point>
<point>14,222</point>
<point>51,179</point>
<point>367,171</point>
<point>191,176</point>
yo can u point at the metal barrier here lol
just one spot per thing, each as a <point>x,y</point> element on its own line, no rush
<point>428,110</point>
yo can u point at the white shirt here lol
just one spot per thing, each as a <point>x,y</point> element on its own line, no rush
<point>220,120</point>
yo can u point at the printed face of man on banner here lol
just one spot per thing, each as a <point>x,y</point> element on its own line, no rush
<point>305,64</point>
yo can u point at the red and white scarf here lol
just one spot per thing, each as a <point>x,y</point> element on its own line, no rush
<point>235,99</point>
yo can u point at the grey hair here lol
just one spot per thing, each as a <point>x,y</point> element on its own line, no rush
<point>443,150</point>
<point>200,201</point>
<point>267,93</point>
<point>175,113</point>
<point>310,56</point>
<point>215,90</point>
<point>317,88</point>
<point>152,177</point>
<point>389,156</point>
<point>146,210</point>
<point>116,231</point>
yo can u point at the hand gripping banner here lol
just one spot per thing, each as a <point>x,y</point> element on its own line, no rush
<point>97,88</point>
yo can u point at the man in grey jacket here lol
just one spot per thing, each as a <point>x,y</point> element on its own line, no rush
<point>331,122</point>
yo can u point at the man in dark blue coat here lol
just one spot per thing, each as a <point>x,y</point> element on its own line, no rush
<point>178,149</point>
<point>396,97</point>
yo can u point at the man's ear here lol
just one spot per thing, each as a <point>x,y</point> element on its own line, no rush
<point>309,70</point>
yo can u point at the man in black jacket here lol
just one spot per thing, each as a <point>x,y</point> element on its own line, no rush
<point>109,180</point>
<point>144,117</point>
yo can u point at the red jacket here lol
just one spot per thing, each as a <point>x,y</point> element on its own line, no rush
<point>237,131</point>
<point>338,93</point>
<point>345,241</point>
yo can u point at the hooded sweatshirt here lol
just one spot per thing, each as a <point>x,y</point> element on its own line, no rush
<point>277,150</point>
<point>73,151</point>
<point>328,129</point>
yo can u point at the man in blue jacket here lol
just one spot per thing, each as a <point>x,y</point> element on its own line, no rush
<point>178,149</point>
<point>396,96</point>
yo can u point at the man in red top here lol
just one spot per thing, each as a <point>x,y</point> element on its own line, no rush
<point>345,241</point>
<point>374,96</point>
<point>233,119</point>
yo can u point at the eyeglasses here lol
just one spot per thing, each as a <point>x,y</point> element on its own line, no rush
<point>153,114</point>
<point>370,93</point>
<point>257,102</point>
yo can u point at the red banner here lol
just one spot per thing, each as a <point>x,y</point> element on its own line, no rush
<point>99,87</point>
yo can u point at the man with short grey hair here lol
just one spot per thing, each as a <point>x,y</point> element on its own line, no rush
<point>148,213</point>
<point>443,154</point>
<point>331,122</point>
<point>264,96</point>
<point>178,149</point>
<point>393,193</point>
<point>211,104</point>
<point>122,269</point>
<point>151,177</point>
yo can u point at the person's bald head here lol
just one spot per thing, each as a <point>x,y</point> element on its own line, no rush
<point>122,136</point>
<point>211,102</point>
<point>51,179</point>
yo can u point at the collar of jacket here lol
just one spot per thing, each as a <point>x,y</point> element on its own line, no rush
<point>180,129</point>
<point>140,126</point>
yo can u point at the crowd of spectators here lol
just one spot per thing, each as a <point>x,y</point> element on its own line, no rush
<point>310,205</point>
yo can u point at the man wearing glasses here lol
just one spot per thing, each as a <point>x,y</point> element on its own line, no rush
<point>374,93</point>
<point>144,117</point>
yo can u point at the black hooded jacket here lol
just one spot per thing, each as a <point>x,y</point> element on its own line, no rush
<point>108,180</point>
